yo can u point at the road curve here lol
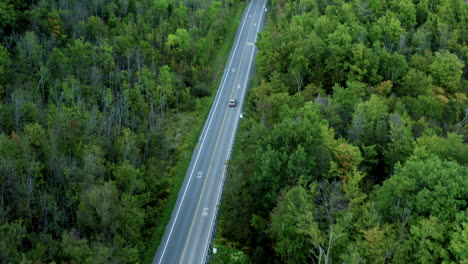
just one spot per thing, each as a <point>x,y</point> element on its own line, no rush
<point>188,234</point>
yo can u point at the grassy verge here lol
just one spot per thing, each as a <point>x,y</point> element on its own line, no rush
<point>255,80</point>
<point>193,133</point>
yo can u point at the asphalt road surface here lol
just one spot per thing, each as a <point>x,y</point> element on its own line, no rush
<point>188,235</point>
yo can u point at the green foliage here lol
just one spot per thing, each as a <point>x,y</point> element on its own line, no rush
<point>9,13</point>
<point>447,71</point>
<point>415,83</point>
<point>387,80</point>
<point>228,255</point>
<point>291,151</point>
<point>343,103</point>
<point>427,240</point>
<point>405,12</point>
<point>458,246</point>
<point>128,178</point>
<point>424,106</point>
<point>99,208</point>
<point>392,65</point>
<point>370,122</point>
<point>88,96</point>
<point>373,244</point>
<point>425,187</point>
<point>179,42</point>
<point>351,93</point>
<point>200,90</point>
<point>450,148</point>
<point>77,250</point>
<point>401,143</point>
<point>11,238</point>
<point>387,28</point>
<point>96,28</point>
<point>291,224</point>
<point>4,68</point>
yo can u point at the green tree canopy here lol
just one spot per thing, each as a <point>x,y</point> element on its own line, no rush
<point>425,187</point>
<point>447,71</point>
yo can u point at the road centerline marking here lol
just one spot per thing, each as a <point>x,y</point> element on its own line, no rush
<point>232,137</point>
<point>204,137</point>
<point>217,141</point>
<point>203,188</point>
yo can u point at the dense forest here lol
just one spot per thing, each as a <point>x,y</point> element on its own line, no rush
<point>353,146</point>
<point>91,97</point>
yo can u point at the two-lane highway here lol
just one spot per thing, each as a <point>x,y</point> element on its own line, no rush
<point>189,232</point>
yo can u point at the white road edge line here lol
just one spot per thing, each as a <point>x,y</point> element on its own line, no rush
<point>232,139</point>
<point>204,137</point>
